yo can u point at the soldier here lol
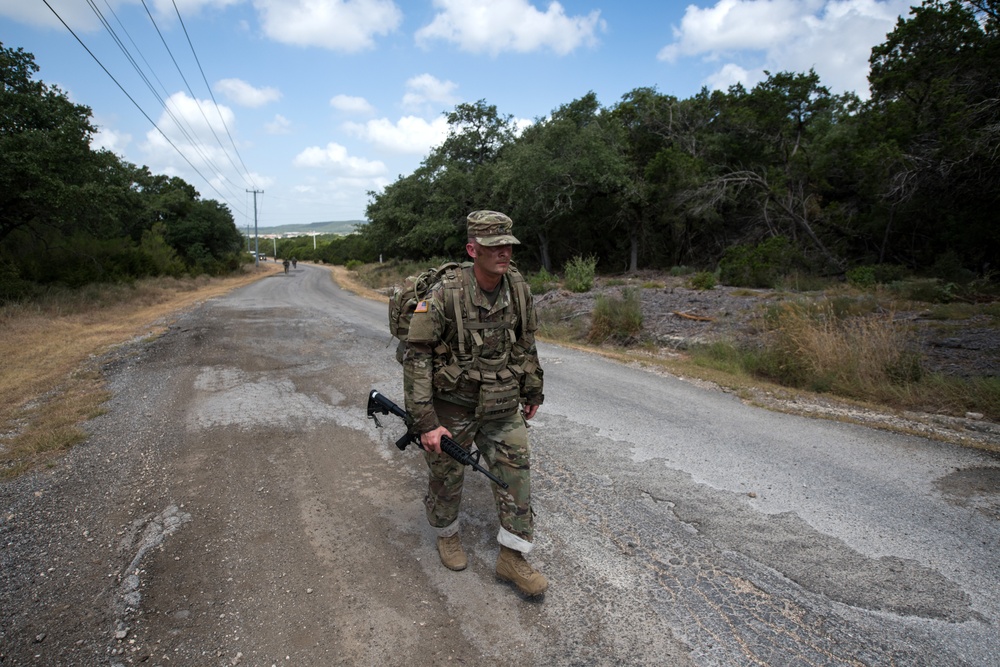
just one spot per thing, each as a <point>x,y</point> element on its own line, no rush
<point>466,372</point>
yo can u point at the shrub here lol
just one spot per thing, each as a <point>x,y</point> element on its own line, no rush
<point>615,319</point>
<point>580,273</point>
<point>702,281</point>
<point>869,275</point>
<point>758,266</point>
<point>681,271</point>
<point>541,282</point>
<point>861,276</point>
<point>353,264</point>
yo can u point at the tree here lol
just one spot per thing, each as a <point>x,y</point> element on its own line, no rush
<point>45,144</point>
<point>936,110</point>
<point>423,215</point>
<point>556,173</point>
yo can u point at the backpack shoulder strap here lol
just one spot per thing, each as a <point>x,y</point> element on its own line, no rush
<point>453,283</point>
<point>519,292</point>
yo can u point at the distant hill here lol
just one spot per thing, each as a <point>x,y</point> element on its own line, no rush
<point>330,227</point>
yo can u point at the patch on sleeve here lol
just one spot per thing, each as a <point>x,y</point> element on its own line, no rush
<point>421,307</point>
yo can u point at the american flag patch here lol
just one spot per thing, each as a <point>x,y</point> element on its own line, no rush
<point>421,307</point>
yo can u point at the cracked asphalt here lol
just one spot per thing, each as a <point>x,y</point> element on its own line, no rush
<point>235,507</point>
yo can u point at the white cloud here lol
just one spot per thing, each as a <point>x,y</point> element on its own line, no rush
<point>334,157</point>
<point>496,26</point>
<point>834,37</point>
<point>338,25</point>
<point>242,93</point>
<point>730,75</point>
<point>111,140</point>
<point>280,125</point>
<point>409,135</point>
<point>202,124</point>
<point>350,104</point>
<point>426,89</point>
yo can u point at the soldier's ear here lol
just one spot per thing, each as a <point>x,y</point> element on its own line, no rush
<point>470,248</point>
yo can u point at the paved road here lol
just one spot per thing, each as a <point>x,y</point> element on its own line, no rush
<point>677,526</point>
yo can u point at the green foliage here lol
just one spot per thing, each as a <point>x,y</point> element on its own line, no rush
<point>758,266</point>
<point>861,276</point>
<point>353,264</point>
<point>618,320</point>
<point>70,215</point>
<point>703,280</point>
<point>580,272</point>
<point>870,275</point>
<point>681,271</point>
<point>541,281</point>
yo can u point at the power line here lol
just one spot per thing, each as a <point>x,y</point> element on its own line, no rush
<point>188,85</point>
<point>135,103</point>
<point>180,122</point>
<point>212,95</point>
<point>193,142</point>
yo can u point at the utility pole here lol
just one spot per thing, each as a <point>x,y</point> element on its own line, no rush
<point>256,239</point>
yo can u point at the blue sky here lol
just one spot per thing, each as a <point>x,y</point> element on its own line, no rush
<point>317,102</point>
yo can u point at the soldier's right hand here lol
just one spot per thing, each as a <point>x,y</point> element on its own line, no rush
<point>431,440</point>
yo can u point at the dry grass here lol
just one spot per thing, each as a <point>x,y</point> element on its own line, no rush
<point>48,387</point>
<point>848,356</point>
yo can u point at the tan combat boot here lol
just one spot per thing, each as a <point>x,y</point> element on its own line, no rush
<point>451,552</point>
<point>512,567</point>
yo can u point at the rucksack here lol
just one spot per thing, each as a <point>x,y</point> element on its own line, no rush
<point>405,296</point>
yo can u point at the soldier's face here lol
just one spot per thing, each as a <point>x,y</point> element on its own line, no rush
<point>492,260</point>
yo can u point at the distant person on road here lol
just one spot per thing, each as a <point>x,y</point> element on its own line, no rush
<point>285,264</point>
<point>294,262</point>
<point>467,370</point>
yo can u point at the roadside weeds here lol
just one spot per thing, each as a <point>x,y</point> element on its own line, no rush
<point>49,386</point>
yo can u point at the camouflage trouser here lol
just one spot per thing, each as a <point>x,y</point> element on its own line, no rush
<point>505,453</point>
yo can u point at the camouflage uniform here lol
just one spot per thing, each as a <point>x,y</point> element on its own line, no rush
<point>442,388</point>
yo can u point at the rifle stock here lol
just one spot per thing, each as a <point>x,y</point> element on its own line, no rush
<point>379,404</point>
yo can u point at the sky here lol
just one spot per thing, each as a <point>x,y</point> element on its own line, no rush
<point>314,104</point>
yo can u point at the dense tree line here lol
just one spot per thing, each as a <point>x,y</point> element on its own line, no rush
<point>785,174</point>
<point>70,215</point>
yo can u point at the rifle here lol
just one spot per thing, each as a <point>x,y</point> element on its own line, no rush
<point>377,403</point>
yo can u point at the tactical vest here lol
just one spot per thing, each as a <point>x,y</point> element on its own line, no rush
<point>461,374</point>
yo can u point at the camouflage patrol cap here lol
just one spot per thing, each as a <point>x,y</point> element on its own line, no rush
<point>490,228</point>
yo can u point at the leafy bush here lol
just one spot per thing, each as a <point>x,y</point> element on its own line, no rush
<point>861,276</point>
<point>702,281</point>
<point>869,275</point>
<point>580,273</point>
<point>542,281</point>
<point>681,271</point>
<point>353,264</point>
<point>615,319</point>
<point>760,265</point>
